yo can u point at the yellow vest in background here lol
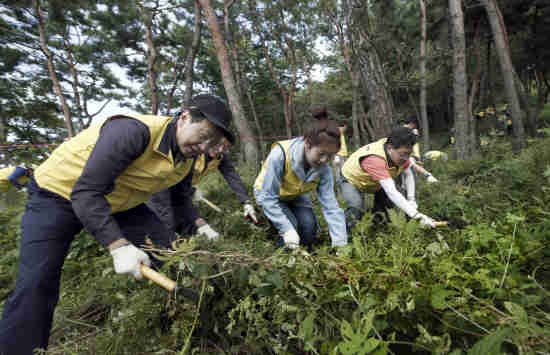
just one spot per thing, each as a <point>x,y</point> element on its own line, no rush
<point>201,169</point>
<point>5,184</point>
<point>343,146</point>
<point>291,185</point>
<point>153,171</point>
<point>354,173</point>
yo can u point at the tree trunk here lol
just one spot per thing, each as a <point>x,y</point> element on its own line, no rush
<point>190,59</point>
<point>249,143</point>
<point>423,104</point>
<point>43,43</point>
<point>506,68</point>
<point>462,131</point>
<point>151,60</point>
<point>379,100</point>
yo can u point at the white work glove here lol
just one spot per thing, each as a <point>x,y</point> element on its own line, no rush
<point>432,179</point>
<point>413,203</point>
<point>291,239</point>
<point>127,259</point>
<point>337,160</point>
<point>197,195</point>
<point>425,221</point>
<point>249,212</point>
<point>206,230</point>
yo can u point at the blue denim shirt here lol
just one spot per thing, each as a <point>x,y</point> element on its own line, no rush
<point>269,196</point>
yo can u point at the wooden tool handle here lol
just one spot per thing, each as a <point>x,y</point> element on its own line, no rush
<point>158,278</point>
<point>441,223</point>
<point>211,204</point>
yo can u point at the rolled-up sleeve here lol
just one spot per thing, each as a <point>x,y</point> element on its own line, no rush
<point>332,212</point>
<point>269,195</point>
<point>121,141</point>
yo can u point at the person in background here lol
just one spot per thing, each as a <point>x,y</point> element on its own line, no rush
<point>342,154</point>
<point>436,155</point>
<point>100,180</point>
<point>294,168</point>
<point>412,123</point>
<point>192,223</point>
<point>16,177</point>
<point>373,168</point>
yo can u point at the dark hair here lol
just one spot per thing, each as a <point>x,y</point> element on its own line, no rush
<point>323,130</point>
<point>412,119</point>
<point>196,114</point>
<point>402,137</point>
<point>319,113</point>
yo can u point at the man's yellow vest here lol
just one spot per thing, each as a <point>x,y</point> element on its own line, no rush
<point>202,169</point>
<point>153,171</point>
<point>5,184</point>
<point>343,146</point>
<point>291,185</point>
<point>354,173</point>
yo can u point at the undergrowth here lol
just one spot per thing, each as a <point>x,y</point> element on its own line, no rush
<point>479,286</point>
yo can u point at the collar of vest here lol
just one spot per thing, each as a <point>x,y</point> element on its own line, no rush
<point>163,142</point>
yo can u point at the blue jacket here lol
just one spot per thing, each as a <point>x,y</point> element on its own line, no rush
<point>268,196</point>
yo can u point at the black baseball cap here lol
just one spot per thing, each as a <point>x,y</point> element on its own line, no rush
<point>216,111</point>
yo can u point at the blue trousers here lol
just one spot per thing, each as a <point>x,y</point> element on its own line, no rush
<point>48,227</point>
<point>303,219</point>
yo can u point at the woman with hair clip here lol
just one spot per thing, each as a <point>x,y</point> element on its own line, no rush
<point>294,168</point>
<point>373,168</point>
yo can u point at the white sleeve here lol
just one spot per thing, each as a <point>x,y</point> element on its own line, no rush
<point>397,198</point>
<point>409,183</point>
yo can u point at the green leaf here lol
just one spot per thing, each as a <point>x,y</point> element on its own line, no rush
<point>266,290</point>
<point>518,312</point>
<point>275,279</point>
<point>490,344</point>
<point>201,270</point>
<point>346,329</point>
<point>438,297</point>
<point>306,328</point>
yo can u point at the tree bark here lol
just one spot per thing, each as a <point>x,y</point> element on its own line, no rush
<point>57,86</point>
<point>249,143</point>
<point>423,104</point>
<point>151,60</point>
<point>507,70</point>
<point>191,55</point>
<point>461,113</point>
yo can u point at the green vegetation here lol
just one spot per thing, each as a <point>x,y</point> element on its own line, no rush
<point>479,286</point>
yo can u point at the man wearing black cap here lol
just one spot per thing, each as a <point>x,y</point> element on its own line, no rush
<point>99,180</point>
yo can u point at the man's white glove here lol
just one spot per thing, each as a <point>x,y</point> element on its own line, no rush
<point>413,203</point>
<point>291,239</point>
<point>432,179</point>
<point>197,195</point>
<point>206,230</point>
<point>337,160</point>
<point>425,221</point>
<point>127,259</point>
<point>249,212</point>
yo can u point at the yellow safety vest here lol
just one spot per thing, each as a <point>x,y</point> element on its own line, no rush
<point>291,185</point>
<point>434,155</point>
<point>151,172</point>
<point>343,146</point>
<point>354,173</point>
<point>5,184</point>
<point>202,169</point>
